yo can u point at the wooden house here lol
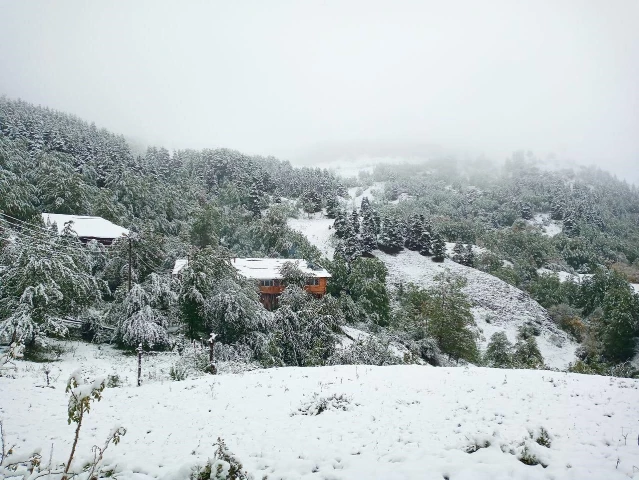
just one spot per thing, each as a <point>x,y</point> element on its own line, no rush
<point>87,228</point>
<point>266,273</point>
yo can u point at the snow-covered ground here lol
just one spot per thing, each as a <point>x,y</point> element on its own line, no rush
<point>357,193</point>
<point>565,276</point>
<point>317,229</point>
<point>497,306</point>
<point>548,227</point>
<point>400,422</point>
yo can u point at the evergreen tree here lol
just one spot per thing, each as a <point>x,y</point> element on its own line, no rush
<point>368,228</point>
<point>332,207</point>
<point>570,228</point>
<point>339,270</point>
<point>414,233</point>
<point>469,256</point>
<point>368,239</point>
<point>439,249</point>
<point>450,318</point>
<point>254,201</point>
<point>198,283</point>
<point>557,209</point>
<point>355,222</point>
<point>618,326</point>
<point>303,328</point>
<point>206,227</point>
<point>499,352</point>
<point>458,253</point>
<point>311,202</point>
<point>367,287</point>
<point>425,243</point>
<point>390,238</point>
<point>526,211</point>
<point>341,225</point>
<point>526,354</point>
<point>365,205</point>
<point>350,247</point>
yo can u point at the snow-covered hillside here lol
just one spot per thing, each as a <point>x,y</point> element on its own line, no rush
<point>497,306</point>
<point>402,422</point>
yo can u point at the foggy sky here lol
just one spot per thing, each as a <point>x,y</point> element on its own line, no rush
<point>294,78</point>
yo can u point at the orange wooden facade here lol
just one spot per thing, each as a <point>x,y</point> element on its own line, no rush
<point>270,293</point>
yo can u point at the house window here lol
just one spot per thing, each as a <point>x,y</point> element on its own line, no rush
<point>312,281</point>
<point>266,283</point>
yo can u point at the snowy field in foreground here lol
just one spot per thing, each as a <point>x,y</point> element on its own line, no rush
<point>402,422</point>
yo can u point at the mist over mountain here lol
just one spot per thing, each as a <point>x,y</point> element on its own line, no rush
<point>293,80</point>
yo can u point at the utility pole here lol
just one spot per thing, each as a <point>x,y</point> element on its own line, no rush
<point>130,263</point>
<point>139,350</point>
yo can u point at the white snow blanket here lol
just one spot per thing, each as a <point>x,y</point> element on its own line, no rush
<point>400,422</point>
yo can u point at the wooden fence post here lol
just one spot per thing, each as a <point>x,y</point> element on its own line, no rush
<point>139,350</point>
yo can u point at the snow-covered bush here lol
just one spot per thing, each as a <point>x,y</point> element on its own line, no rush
<point>319,404</point>
<point>369,350</point>
<point>223,466</point>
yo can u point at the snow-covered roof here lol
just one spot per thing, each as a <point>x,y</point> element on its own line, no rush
<point>269,268</point>
<point>264,268</point>
<point>86,227</point>
<point>180,263</point>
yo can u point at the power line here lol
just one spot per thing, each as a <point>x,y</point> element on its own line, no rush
<point>34,228</point>
<point>54,252</point>
<point>50,242</point>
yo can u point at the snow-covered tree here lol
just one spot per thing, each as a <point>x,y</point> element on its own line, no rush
<point>311,202</point>
<point>526,211</point>
<point>458,253</point>
<point>332,207</point>
<point>235,314</point>
<point>367,286</point>
<point>354,220</point>
<point>438,248</point>
<point>304,328</point>
<point>414,233</point>
<point>292,274</point>
<point>206,227</point>
<point>341,224</point>
<point>198,282</point>
<point>141,315</point>
<point>254,201</point>
<point>425,243</point>
<point>390,237</point>
<point>48,279</point>
<point>450,318</point>
<point>499,352</point>
<point>526,353</point>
